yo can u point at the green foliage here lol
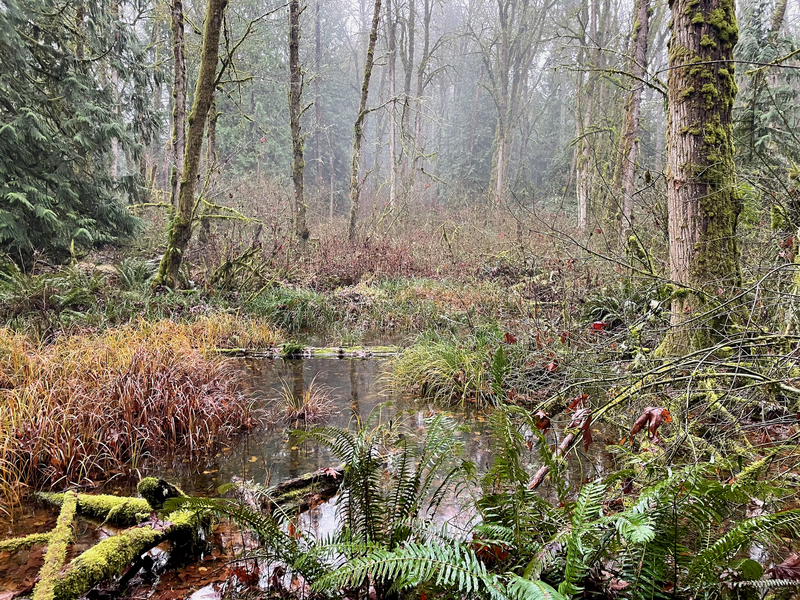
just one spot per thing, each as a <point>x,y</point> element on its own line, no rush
<point>57,121</point>
<point>291,309</point>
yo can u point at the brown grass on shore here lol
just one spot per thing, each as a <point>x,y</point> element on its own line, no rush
<point>88,406</point>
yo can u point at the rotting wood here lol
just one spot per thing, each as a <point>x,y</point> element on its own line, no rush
<point>292,496</point>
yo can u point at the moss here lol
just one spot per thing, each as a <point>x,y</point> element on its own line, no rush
<point>698,18</point>
<point>21,543</point>
<point>687,92</point>
<point>56,552</point>
<point>112,509</point>
<point>707,42</point>
<point>777,216</point>
<point>112,555</point>
<point>156,491</point>
<point>104,560</point>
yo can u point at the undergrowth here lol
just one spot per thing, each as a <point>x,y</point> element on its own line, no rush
<point>84,407</point>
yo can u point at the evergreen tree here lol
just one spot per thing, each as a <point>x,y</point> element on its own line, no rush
<point>58,118</point>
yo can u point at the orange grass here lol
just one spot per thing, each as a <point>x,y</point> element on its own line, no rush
<point>88,406</point>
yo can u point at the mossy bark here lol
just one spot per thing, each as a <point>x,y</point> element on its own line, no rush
<point>56,552</point>
<point>111,556</point>
<point>358,128</point>
<point>157,491</point>
<point>181,227</point>
<point>102,507</point>
<point>22,543</point>
<point>178,101</point>
<point>295,112</point>
<point>702,196</point>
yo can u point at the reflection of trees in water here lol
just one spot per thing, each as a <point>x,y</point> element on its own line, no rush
<point>354,404</point>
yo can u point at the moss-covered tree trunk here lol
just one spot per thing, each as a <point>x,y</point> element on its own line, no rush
<point>702,199</point>
<point>178,101</point>
<point>358,128</point>
<point>181,227</point>
<point>629,142</point>
<point>295,111</point>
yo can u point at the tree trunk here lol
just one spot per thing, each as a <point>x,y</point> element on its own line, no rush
<point>701,180</point>
<point>295,111</point>
<point>181,227</point>
<point>418,146</point>
<point>392,107</point>
<point>629,143</point>
<point>318,97</point>
<point>211,165</point>
<point>358,128</point>
<point>178,101</point>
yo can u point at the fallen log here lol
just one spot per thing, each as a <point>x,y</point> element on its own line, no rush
<point>301,493</point>
<point>21,543</point>
<point>123,511</point>
<point>111,556</point>
<point>56,552</point>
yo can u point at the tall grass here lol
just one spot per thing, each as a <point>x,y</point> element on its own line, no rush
<point>88,406</point>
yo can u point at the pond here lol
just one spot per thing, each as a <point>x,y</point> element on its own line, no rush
<point>272,454</point>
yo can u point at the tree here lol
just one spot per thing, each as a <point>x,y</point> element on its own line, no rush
<point>178,101</point>
<point>358,128</point>
<point>702,198</point>
<point>629,143</point>
<point>181,227</point>
<point>295,112</point>
<point>57,121</point>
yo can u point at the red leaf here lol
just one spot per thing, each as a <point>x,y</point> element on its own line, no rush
<point>551,367</point>
<point>510,338</point>
<point>652,417</point>
<point>599,326</point>
<point>542,421</point>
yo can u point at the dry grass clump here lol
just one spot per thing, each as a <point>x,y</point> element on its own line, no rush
<point>87,406</point>
<point>310,404</point>
<point>224,330</point>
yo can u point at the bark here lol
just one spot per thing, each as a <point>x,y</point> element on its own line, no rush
<point>292,496</point>
<point>418,146</point>
<point>701,181</point>
<point>56,552</point>
<point>318,97</point>
<point>358,129</point>
<point>181,227</point>
<point>629,143</point>
<point>211,165</point>
<point>295,112</point>
<point>178,101</point>
<point>392,107</point>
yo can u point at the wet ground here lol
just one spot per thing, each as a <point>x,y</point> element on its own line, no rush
<point>272,454</point>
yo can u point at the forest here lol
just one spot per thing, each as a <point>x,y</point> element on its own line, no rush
<point>399,299</point>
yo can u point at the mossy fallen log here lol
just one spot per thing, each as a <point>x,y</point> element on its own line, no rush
<point>293,495</point>
<point>297,351</point>
<point>123,511</point>
<point>21,543</point>
<point>111,556</point>
<point>56,553</point>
